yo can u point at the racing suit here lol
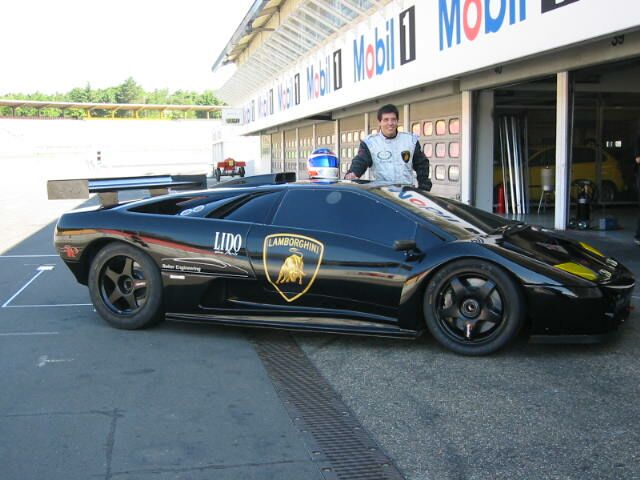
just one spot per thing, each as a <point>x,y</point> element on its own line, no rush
<point>392,159</point>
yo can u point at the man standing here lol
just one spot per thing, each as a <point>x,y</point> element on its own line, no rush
<point>391,155</point>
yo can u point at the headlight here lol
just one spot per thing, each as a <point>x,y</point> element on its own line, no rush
<point>579,270</point>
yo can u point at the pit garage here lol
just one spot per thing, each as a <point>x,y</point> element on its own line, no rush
<point>605,115</point>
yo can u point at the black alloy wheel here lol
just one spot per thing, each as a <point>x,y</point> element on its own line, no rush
<point>126,287</point>
<point>473,307</point>
<point>218,173</point>
<point>241,171</point>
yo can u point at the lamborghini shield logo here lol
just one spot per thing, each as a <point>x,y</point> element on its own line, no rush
<point>406,155</point>
<point>291,263</point>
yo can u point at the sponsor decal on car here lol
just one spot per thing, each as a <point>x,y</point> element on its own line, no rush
<point>205,265</point>
<point>227,243</point>
<point>291,263</point>
<point>69,251</point>
<point>416,200</point>
<point>191,211</point>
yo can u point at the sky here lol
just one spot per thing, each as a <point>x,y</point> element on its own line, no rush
<point>56,45</point>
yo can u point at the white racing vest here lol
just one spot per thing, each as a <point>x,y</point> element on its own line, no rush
<point>387,157</point>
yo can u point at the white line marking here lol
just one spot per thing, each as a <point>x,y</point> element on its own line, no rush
<point>27,256</point>
<point>52,305</point>
<point>44,359</point>
<point>4,305</point>
<point>19,334</point>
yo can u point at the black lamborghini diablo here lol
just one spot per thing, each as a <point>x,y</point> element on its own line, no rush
<point>346,257</point>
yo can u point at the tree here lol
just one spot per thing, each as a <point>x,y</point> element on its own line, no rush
<point>127,92</point>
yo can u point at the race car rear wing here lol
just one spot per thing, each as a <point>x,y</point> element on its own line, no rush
<point>108,188</point>
<point>256,180</point>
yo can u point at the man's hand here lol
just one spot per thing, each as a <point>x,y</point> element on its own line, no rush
<point>350,176</point>
<point>637,161</point>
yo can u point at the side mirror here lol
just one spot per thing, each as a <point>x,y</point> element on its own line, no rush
<point>404,245</point>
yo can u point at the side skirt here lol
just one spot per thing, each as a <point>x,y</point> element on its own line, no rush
<point>300,323</point>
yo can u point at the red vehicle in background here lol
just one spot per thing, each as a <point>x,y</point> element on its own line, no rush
<point>229,167</point>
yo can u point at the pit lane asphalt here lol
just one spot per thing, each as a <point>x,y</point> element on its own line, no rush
<point>82,400</point>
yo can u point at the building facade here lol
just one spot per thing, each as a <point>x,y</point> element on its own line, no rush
<point>501,93</point>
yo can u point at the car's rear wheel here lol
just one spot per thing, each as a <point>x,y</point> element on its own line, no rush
<point>473,307</point>
<point>217,174</point>
<point>126,287</point>
<point>242,171</point>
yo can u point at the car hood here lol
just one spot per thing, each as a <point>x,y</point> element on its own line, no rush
<point>576,257</point>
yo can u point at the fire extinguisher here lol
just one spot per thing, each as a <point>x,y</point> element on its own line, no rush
<point>584,206</point>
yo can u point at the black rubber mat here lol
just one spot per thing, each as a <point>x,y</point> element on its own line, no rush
<point>337,442</point>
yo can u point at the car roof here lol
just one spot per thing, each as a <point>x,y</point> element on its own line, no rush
<point>361,185</point>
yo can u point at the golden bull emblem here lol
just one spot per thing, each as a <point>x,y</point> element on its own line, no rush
<point>292,269</point>
<point>291,263</point>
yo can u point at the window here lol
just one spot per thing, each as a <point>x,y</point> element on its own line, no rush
<point>428,149</point>
<point>454,149</point>
<point>454,126</point>
<point>440,172</point>
<point>441,150</point>
<point>454,173</point>
<point>416,128</point>
<point>441,127</point>
<point>252,208</point>
<point>344,213</point>
<point>193,206</point>
<point>427,128</point>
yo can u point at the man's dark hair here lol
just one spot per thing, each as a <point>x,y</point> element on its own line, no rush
<point>388,108</point>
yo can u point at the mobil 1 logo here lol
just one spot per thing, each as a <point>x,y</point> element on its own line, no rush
<point>407,20</point>
<point>337,69</point>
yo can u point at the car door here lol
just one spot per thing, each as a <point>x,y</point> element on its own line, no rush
<point>330,251</point>
<point>202,248</point>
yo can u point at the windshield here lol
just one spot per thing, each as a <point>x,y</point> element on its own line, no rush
<point>455,218</point>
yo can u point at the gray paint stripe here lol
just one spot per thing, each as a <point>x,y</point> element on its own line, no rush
<point>26,334</point>
<point>51,305</point>
<point>38,273</point>
<point>28,256</point>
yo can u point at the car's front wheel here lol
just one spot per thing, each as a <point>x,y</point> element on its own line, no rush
<point>473,307</point>
<point>217,173</point>
<point>126,287</point>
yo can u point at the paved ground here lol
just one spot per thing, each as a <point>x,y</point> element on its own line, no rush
<point>82,400</point>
